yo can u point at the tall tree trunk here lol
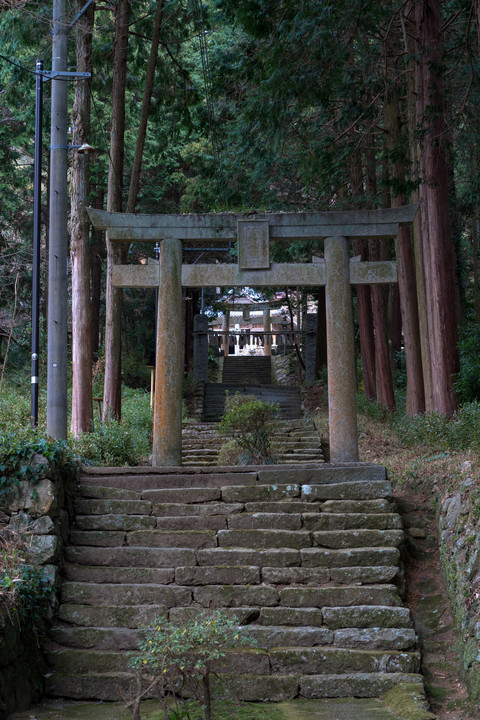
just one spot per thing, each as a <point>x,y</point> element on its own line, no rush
<point>405,268</point>
<point>440,263</point>
<point>379,300</point>
<point>413,13</point>
<point>147,98</point>
<point>364,296</point>
<point>97,251</point>
<point>115,252</point>
<point>82,405</point>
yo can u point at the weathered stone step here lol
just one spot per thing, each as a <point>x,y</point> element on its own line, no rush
<point>118,616</point>
<point>126,594</point>
<point>248,688</point>
<point>358,538</point>
<point>142,478</point>
<point>365,616</point>
<point>88,506</point>
<point>115,522</point>
<point>130,556</point>
<point>313,661</point>
<point>129,575</point>
<point>97,638</point>
<point>91,660</point>
<point>264,538</point>
<point>290,557</point>
<point>351,521</point>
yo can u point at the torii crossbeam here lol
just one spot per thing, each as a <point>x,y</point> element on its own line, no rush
<point>254,232</point>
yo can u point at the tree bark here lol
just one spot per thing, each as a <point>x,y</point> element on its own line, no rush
<point>440,263</point>
<point>97,251</point>
<point>364,297</point>
<point>413,12</point>
<point>115,253</point>
<point>147,97</point>
<point>415,403</point>
<point>379,301</point>
<point>82,404</point>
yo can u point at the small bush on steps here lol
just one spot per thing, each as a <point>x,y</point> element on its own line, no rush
<point>179,659</point>
<point>251,423</point>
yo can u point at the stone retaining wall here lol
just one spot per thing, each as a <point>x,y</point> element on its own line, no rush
<point>38,514</point>
<point>458,519</point>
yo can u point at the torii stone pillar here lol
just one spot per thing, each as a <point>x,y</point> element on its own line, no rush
<point>167,427</point>
<point>342,386</point>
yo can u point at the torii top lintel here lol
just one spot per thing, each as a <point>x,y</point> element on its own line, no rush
<point>129,227</point>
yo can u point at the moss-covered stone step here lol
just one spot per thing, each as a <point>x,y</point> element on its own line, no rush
<point>82,660</point>
<point>326,660</point>
<point>358,538</point>
<point>265,538</point>
<point>97,538</point>
<point>97,638</point>
<point>130,556</point>
<point>323,575</point>
<point>268,637</point>
<point>129,575</point>
<point>91,506</point>
<point>115,522</point>
<point>360,685</point>
<point>344,558</point>
<point>255,493</point>
<point>351,521</point>
<point>150,479</point>
<point>172,539</point>
<point>99,492</point>
<point>265,521</point>
<point>111,616</point>
<point>375,506</point>
<point>218,575</point>
<point>348,491</point>
<point>125,594</point>
<point>221,596</point>
<point>211,509</point>
<point>366,616</point>
<point>92,686</point>
<point>282,557</point>
<point>340,596</point>
<point>376,638</point>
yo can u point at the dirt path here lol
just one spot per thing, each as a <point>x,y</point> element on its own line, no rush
<point>427,599</point>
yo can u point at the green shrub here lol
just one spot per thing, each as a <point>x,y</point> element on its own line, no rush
<point>251,423</point>
<point>439,432</point>
<point>110,444</point>
<point>25,590</point>
<point>175,658</point>
<point>467,382</point>
<point>17,451</point>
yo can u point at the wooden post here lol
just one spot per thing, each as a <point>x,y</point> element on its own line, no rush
<point>167,422</point>
<point>342,401</point>
<point>267,326</point>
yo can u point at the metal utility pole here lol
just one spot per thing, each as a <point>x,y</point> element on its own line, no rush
<point>37,206</point>
<point>58,245</point>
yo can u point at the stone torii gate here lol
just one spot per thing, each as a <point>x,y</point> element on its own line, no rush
<point>254,269</point>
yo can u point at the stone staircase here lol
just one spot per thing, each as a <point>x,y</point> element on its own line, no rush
<point>294,442</point>
<point>307,557</point>
<point>286,396</point>
<point>247,370</point>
